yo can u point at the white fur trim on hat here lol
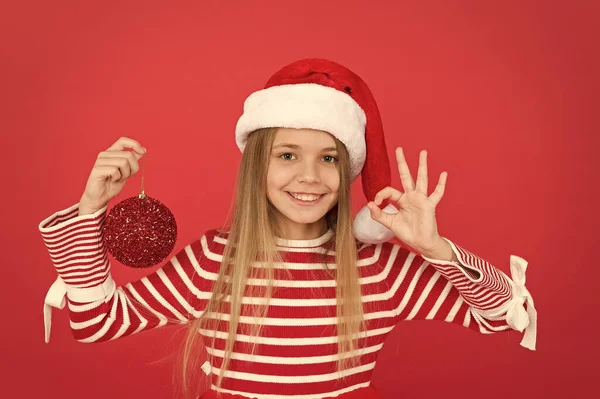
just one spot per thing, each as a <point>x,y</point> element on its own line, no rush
<point>307,106</point>
<point>370,231</point>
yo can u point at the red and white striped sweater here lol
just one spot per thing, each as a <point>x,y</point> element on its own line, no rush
<point>298,345</point>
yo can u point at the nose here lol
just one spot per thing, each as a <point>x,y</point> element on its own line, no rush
<point>308,173</point>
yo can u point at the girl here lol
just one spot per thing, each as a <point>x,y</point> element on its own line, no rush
<point>293,298</point>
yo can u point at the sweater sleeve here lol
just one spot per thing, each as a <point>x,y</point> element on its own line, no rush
<point>471,292</point>
<point>99,310</point>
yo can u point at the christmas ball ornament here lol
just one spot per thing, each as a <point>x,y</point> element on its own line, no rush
<point>140,231</point>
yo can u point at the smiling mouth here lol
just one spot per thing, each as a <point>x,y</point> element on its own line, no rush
<point>305,198</point>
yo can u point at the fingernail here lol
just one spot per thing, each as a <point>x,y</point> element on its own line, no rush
<point>143,149</point>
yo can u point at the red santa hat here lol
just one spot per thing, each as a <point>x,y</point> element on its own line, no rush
<point>321,94</point>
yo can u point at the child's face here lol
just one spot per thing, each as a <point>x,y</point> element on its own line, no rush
<point>304,163</point>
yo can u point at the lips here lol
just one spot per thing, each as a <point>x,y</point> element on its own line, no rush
<point>305,203</point>
<point>306,196</point>
<point>303,193</point>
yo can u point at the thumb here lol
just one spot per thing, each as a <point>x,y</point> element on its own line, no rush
<point>138,153</point>
<point>380,216</point>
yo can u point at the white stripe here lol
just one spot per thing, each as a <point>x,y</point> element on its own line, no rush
<point>424,294</point>
<point>455,308</point>
<point>87,258</point>
<point>302,341</point>
<point>319,250</point>
<point>77,252</point>
<point>143,321</point>
<point>77,243</point>
<point>138,297</point>
<point>90,258</point>
<point>63,219</point>
<point>89,234</point>
<point>494,300</point>
<point>126,321</point>
<point>96,276</point>
<point>482,321</point>
<point>383,296</point>
<point>87,323</point>
<point>193,289</point>
<point>467,318</point>
<point>300,322</point>
<point>107,324</point>
<point>382,275</point>
<point>282,379</point>
<point>154,292</point>
<point>413,283</point>
<point>86,306</point>
<point>292,302</point>
<point>309,396</point>
<point>292,360</point>
<point>296,302</point>
<point>176,294</point>
<point>120,300</point>
<point>84,272</point>
<point>90,227</point>
<point>440,301</point>
<point>85,268</point>
<point>303,266</point>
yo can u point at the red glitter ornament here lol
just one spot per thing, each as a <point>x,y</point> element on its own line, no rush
<point>140,231</point>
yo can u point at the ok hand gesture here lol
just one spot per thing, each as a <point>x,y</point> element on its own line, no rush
<point>415,223</point>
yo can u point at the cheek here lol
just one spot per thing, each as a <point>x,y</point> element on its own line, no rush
<point>276,179</point>
<point>332,181</point>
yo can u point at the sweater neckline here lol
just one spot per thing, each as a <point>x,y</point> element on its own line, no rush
<point>315,242</point>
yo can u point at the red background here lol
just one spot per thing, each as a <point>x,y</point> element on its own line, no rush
<point>503,95</point>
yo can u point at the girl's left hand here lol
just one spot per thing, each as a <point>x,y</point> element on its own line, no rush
<point>415,223</point>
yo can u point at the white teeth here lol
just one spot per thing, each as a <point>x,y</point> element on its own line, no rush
<point>306,197</point>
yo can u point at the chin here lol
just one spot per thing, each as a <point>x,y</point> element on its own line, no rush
<point>304,219</point>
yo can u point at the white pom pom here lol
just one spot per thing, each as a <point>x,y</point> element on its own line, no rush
<point>371,231</point>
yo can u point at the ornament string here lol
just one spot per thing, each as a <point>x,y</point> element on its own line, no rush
<point>142,194</point>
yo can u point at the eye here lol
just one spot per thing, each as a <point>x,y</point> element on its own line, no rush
<point>286,156</point>
<point>330,159</point>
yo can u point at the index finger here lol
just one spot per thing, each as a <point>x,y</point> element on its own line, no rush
<point>127,143</point>
<point>405,177</point>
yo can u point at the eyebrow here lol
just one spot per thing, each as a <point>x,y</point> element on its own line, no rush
<point>297,147</point>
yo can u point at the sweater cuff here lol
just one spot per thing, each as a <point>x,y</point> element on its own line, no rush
<point>465,259</point>
<point>76,247</point>
<point>517,316</point>
<point>67,217</point>
<point>59,291</point>
<point>77,251</point>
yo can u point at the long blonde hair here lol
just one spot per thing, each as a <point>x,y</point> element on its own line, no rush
<point>254,224</point>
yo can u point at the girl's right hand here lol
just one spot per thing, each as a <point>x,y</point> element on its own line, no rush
<point>110,172</point>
